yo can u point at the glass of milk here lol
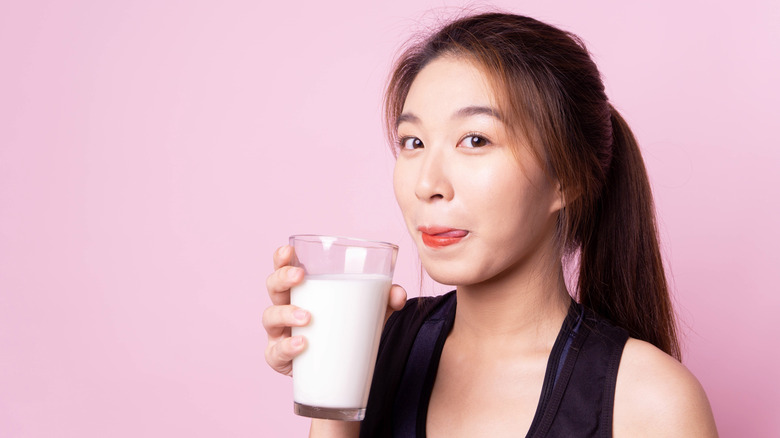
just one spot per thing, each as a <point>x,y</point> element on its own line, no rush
<point>345,289</point>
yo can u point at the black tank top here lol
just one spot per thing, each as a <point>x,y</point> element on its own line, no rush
<point>577,394</point>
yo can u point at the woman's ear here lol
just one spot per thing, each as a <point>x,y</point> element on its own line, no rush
<point>558,200</point>
<point>563,197</point>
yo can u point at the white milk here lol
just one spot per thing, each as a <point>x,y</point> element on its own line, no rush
<point>347,312</point>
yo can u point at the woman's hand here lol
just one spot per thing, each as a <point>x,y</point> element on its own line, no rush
<point>281,316</point>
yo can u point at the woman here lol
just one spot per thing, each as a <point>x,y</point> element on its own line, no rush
<point>510,160</point>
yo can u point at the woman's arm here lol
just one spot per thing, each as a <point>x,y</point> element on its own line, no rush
<point>334,429</point>
<point>656,396</point>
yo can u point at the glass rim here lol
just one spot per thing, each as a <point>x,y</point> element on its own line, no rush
<point>340,240</point>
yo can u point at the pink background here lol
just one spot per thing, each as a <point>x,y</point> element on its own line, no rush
<point>153,154</point>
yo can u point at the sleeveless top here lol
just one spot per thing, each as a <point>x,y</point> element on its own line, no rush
<point>577,394</point>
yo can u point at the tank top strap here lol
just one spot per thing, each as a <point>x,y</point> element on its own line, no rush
<point>582,401</point>
<point>409,399</point>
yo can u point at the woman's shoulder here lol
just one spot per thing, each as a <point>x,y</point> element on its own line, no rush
<point>657,396</point>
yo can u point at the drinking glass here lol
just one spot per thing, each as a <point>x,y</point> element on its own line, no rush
<point>345,289</point>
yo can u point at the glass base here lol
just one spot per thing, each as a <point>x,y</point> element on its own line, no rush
<point>343,414</point>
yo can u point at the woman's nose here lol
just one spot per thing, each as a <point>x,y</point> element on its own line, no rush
<point>433,181</point>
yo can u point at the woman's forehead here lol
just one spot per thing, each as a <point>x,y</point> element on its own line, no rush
<point>452,86</point>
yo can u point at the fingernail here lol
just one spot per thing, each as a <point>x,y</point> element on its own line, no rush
<point>296,341</point>
<point>300,314</point>
<point>292,274</point>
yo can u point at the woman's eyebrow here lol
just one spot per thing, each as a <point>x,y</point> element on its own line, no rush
<point>468,111</point>
<point>407,117</point>
<point>475,111</point>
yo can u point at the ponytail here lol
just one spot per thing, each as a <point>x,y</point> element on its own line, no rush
<point>621,272</point>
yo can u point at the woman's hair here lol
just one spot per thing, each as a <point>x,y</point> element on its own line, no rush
<point>550,96</point>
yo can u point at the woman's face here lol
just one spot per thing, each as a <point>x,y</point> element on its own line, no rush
<point>472,209</point>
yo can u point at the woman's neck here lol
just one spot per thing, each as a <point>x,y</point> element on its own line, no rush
<point>525,305</point>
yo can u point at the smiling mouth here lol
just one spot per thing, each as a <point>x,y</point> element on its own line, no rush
<point>439,237</point>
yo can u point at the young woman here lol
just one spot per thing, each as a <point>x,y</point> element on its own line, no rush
<point>511,160</point>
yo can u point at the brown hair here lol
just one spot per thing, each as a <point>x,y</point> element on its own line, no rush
<point>550,93</point>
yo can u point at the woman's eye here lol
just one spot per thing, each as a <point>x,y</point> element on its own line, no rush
<point>474,141</point>
<point>411,143</point>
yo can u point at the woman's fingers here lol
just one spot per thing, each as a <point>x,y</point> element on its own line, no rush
<point>397,297</point>
<point>280,282</point>
<point>278,318</point>
<point>279,355</point>
<point>284,276</point>
<point>396,300</point>
<point>282,256</point>
<point>282,348</point>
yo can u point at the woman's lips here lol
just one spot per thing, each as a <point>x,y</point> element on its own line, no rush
<point>438,237</point>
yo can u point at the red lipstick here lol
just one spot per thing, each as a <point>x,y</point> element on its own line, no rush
<point>439,237</point>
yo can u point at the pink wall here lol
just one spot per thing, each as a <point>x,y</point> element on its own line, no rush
<point>153,154</point>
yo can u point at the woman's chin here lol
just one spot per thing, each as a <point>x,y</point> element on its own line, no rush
<point>449,276</point>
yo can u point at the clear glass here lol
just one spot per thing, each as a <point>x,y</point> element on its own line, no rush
<point>345,288</point>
